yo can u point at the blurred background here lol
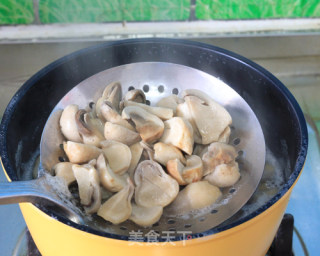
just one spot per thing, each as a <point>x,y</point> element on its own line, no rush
<point>282,36</point>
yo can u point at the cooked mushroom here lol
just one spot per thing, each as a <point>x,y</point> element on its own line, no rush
<point>89,189</point>
<point>153,186</point>
<point>209,116</point>
<point>145,216</point>
<point>111,93</point>
<point>164,152</point>
<point>225,135</point>
<point>149,126</point>
<point>179,133</point>
<point>136,152</point>
<point>192,172</point>
<point>118,208</point>
<point>64,170</point>
<point>162,113</point>
<point>200,149</point>
<point>80,153</point>
<point>111,115</point>
<point>89,129</point>
<point>119,133</point>
<point>135,95</point>
<point>118,155</point>
<point>224,175</point>
<point>218,153</point>
<point>171,102</point>
<point>195,196</point>
<point>68,123</point>
<point>110,180</point>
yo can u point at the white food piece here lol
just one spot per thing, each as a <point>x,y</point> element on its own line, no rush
<point>117,154</point>
<point>164,152</point>
<point>135,95</point>
<point>218,153</point>
<point>68,123</point>
<point>118,208</point>
<point>110,180</point>
<point>121,134</point>
<point>145,216</point>
<point>192,172</point>
<point>89,187</point>
<point>64,170</point>
<point>136,152</point>
<point>78,153</point>
<point>225,135</point>
<point>195,196</point>
<point>162,113</point>
<point>179,133</point>
<point>149,126</point>
<point>171,102</point>
<point>111,115</point>
<point>224,175</point>
<point>89,128</point>
<point>153,186</point>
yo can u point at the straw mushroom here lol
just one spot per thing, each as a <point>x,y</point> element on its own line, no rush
<point>118,208</point>
<point>224,175</point>
<point>149,126</point>
<point>89,129</point>
<point>136,152</point>
<point>210,117</point>
<point>195,196</point>
<point>135,95</point>
<point>111,93</point>
<point>225,135</point>
<point>89,189</point>
<point>80,153</point>
<point>164,152</point>
<point>162,113</point>
<point>179,133</point>
<point>145,216</point>
<point>192,172</point>
<point>119,133</point>
<point>153,186</point>
<point>118,155</point>
<point>171,102</point>
<point>64,170</point>
<point>111,115</point>
<point>68,123</point>
<point>218,153</point>
<point>110,180</point>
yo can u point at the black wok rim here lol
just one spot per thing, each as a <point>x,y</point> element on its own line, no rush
<point>281,88</point>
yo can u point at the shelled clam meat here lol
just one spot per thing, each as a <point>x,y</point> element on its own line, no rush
<point>146,158</point>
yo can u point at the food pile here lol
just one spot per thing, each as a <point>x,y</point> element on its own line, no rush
<point>130,160</point>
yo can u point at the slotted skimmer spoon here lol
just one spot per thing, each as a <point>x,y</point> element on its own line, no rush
<point>158,80</point>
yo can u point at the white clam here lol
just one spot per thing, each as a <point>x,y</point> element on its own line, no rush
<point>118,208</point>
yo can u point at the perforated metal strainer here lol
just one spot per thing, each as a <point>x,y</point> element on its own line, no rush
<point>158,80</point>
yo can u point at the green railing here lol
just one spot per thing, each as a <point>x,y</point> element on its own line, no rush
<point>83,11</point>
